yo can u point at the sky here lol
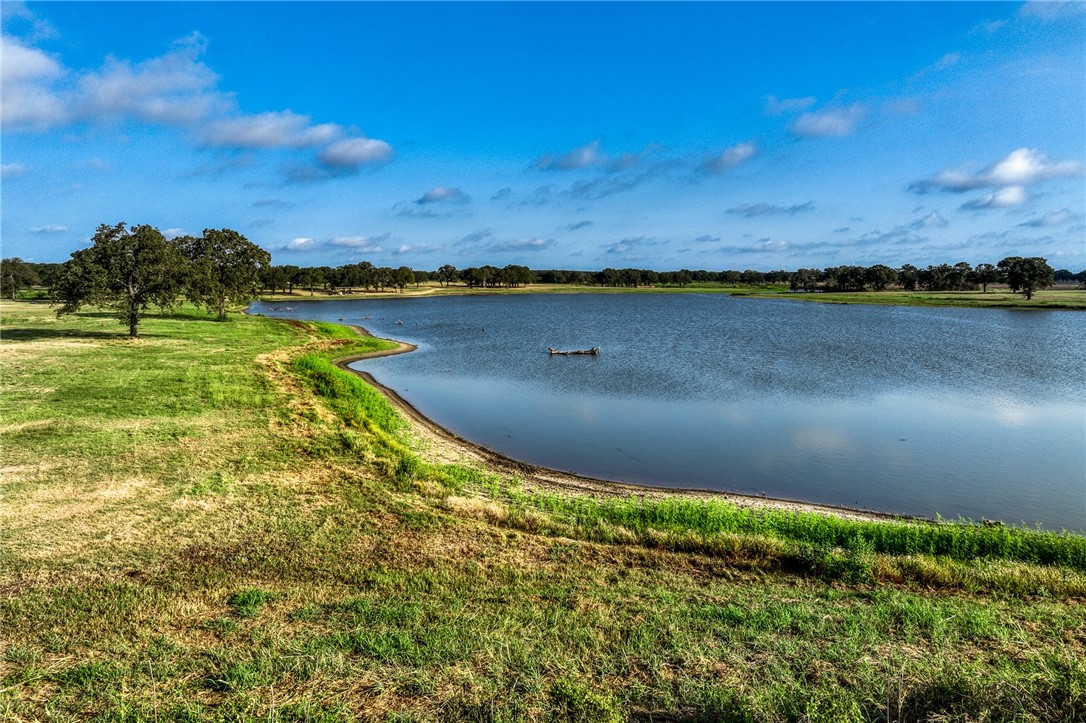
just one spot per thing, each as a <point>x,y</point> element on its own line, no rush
<point>571,135</point>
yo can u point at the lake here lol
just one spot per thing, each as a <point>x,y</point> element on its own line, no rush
<point>974,413</point>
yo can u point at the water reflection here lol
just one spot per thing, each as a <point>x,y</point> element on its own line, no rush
<point>976,413</point>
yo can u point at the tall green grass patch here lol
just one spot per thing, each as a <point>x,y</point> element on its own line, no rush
<point>954,541</point>
<point>355,402</point>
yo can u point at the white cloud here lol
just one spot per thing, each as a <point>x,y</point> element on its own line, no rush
<point>787,105</point>
<point>275,129</point>
<point>300,244</point>
<point>606,186</point>
<point>1051,10</point>
<point>731,157</point>
<point>948,61</point>
<point>12,170</point>
<point>172,89</point>
<point>525,244</point>
<point>1052,218</point>
<point>443,194</point>
<point>272,203</point>
<point>173,232</point>
<point>577,226</point>
<point>18,14</point>
<point>902,107</point>
<point>420,213</point>
<point>414,249</point>
<point>750,210</point>
<point>23,63</point>
<point>476,236</point>
<point>629,248</point>
<point>1021,167</point>
<point>28,98</point>
<point>1001,198</point>
<point>582,157</point>
<point>350,153</point>
<point>363,243</point>
<point>95,164</point>
<point>833,122</point>
<point>50,228</point>
<point>932,220</point>
<point>989,27</point>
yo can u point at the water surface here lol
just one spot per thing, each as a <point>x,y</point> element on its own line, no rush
<point>976,413</point>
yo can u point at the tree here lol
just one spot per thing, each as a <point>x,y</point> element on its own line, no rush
<point>447,273</point>
<point>803,280</point>
<point>274,278</point>
<point>1027,274</point>
<point>609,277</point>
<point>751,277</point>
<point>402,277</point>
<point>224,268</point>
<point>127,271</point>
<point>292,273</point>
<point>308,278</point>
<point>985,274</point>
<point>879,276</point>
<point>846,278</point>
<point>908,277</point>
<point>16,274</point>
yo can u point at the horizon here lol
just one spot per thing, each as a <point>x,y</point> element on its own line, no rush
<point>573,136</point>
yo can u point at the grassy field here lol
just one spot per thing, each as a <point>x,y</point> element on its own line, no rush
<point>996,298</point>
<point>992,299</point>
<point>213,522</point>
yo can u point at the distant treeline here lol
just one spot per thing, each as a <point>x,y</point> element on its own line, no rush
<point>944,277</point>
<point>16,274</point>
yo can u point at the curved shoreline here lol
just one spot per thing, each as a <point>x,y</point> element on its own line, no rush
<point>558,481</point>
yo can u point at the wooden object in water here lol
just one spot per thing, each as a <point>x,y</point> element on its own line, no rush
<point>593,351</point>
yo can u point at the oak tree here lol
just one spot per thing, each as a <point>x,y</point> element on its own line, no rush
<point>224,268</point>
<point>1027,274</point>
<point>125,270</point>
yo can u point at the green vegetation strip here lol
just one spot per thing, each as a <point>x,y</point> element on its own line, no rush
<point>956,541</point>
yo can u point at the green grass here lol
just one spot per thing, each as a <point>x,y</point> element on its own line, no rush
<point>216,523</point>
<point>963,542</point>
<point>995,298</point>
<point>1054,299</point>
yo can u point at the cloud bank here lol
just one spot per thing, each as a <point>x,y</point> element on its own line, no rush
<point>176,90</point>
<point>1021,167</point>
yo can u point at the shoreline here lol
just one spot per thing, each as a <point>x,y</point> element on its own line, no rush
<point>1054,299</point>
<point>456,448</point>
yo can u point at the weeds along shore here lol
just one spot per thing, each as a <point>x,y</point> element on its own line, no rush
<point>217,522</point>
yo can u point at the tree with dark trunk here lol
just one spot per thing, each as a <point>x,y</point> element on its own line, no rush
<point>16,274</point>
<point>985,274</point>
<point>126,270</point>
<point>224,268</point>
<point>1027,274</point>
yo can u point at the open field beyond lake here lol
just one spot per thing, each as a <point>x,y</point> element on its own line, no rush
<point>996,298</point>
<point>216,522</point>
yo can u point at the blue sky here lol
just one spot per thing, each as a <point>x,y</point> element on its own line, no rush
<point>556,135</point>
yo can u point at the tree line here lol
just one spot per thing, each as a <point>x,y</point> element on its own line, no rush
<point>129,270</point>
<point>1020,274</point>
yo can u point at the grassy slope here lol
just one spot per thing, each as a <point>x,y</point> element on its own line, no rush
<point>191,532</point>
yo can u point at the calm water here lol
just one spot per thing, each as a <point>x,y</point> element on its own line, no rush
<point>958,412</point>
